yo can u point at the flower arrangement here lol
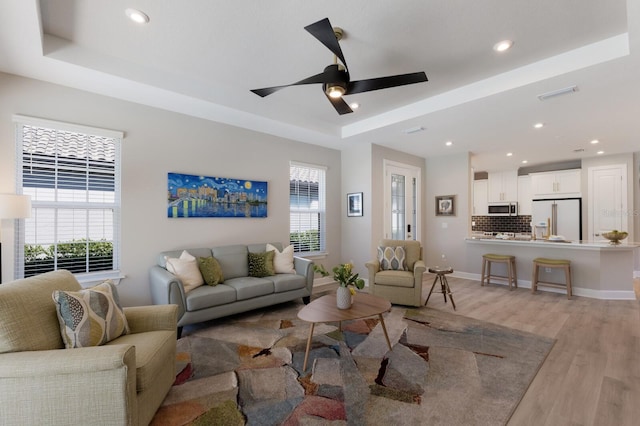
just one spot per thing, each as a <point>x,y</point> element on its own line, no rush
<point>343,275</point>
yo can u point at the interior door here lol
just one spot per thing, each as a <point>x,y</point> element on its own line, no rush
<point>607,200</point>
<point>402,201</point>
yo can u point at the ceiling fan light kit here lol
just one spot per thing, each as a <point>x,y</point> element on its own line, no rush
<point>335,79</point>
<point>335,91</point>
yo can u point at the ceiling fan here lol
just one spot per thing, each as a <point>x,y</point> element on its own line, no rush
<point>335,77</point>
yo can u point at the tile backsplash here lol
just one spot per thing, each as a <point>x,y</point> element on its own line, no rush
<point>518,224</point>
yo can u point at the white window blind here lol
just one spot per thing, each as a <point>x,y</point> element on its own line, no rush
<point>307,208</point>
<point>72,174</point>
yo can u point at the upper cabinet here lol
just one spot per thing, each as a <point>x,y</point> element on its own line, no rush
<point>561,183</point>
<point>524,195</point>
<point>480,197</point>
<point>503,186</point>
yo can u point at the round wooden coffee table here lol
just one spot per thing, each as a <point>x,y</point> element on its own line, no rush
<point>324,309</point>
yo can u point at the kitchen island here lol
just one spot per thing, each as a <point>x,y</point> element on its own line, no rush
<point>599,270</point>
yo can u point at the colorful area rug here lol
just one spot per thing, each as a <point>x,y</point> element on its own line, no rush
<point>444,369</point>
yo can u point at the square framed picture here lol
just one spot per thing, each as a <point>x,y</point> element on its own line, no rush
<point>354,204</point>
<point>445,205</point>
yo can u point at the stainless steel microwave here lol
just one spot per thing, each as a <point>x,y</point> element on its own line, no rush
<point>503,209</point>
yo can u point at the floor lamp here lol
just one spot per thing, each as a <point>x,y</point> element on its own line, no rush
<point>12,206</point>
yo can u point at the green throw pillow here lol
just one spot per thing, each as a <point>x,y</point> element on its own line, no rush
<point>261,264</point>
<point>210,270</point>
<point>90,317</point>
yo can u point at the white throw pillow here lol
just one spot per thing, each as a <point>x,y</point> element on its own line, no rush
<point>186,268</point>
<point>282,261</point>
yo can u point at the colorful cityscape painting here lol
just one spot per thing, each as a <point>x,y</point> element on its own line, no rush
<point>204,196</point>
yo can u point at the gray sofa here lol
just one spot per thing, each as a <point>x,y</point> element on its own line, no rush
<point>238,293</point>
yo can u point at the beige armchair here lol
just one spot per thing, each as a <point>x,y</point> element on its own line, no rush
<point>398,286</point>
<point>120,383</point>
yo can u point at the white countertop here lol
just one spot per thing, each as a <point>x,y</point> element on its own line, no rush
<point>585,245</point>
<point>598,269</point>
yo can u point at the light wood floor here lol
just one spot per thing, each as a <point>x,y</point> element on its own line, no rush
<point>592,374</point>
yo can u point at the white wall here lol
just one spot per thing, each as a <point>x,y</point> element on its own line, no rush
<point>362,171</point>
<point>450,175</point>
<point>157,142</point>
<point>379,155</point>
<point>356,230</point>
<point>635,182</point>
<point>608,160</point>
<point>632,161</point>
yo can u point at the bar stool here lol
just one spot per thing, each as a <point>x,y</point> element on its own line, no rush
<point>541,262</point>
<point>510,261</point>
<point>441,274</point>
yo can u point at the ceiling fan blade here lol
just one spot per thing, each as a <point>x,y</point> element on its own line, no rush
<point>323,77</point>
<point>340,105</point>
<point>385,82</point>
<point>323,31</point>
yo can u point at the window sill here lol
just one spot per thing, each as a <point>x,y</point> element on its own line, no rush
<point>94,278</point>
<point>312,256</point>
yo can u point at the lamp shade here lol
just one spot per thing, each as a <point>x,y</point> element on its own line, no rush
<point>13,206</point>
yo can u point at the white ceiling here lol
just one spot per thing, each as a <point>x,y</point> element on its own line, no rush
<point>202,57</point>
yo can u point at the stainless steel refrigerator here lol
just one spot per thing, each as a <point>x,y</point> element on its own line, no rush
<point>564,214</point>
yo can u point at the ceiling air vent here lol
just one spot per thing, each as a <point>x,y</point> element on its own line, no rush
<point>559,92</point>
<point>413,130</point>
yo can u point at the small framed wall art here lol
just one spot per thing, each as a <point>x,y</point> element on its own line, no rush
<point>445,205</point>
<point>354,204</point>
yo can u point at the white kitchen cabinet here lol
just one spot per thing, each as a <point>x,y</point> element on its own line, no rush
<point>503,186</point>
<point>560,183</point>
<point>524,195</point>
<point>480,197</point>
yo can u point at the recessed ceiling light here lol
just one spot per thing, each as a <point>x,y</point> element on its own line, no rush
<point>509,154</point>
<point>503,45</point>
<point>354,105</point>
<point>538,125</point>
<point>524,161</point>
<point>600,152</point>
<point>137,16</point>
<point>595,141</point>
<point>448,143</point>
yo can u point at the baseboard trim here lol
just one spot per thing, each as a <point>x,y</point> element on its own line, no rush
<point>577,291</point>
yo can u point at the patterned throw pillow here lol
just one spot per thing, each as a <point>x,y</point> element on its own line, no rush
<point>210,270</point>
<point>282,261</point>
<point>261,264</point>
<point>392,258</point>
<point>90,317</point>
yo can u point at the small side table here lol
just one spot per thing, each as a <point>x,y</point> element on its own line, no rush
<point>441,274</point>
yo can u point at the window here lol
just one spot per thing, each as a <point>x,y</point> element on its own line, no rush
<point>307,208</point>
<point>72,174</point>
